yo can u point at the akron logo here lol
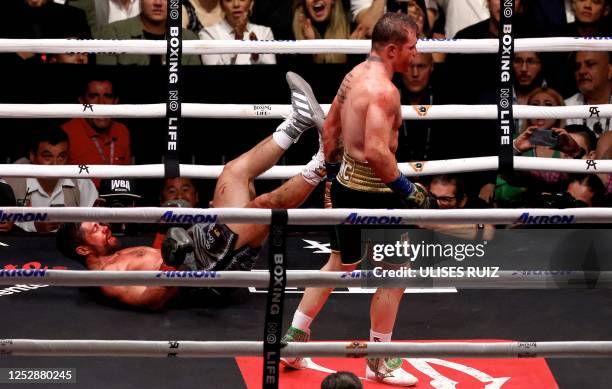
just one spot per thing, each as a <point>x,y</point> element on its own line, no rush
<point>417,166</point>
<point>421,110</point>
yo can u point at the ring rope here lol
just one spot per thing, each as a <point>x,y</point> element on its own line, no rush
<point>310,216</point>
<point>502,279</point>
<point>312,46</point>
<point>424,168</point>
<point>354,349</point>
<point>280,111</point>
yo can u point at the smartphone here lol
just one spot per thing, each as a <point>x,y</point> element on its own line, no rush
<point>544,137</point>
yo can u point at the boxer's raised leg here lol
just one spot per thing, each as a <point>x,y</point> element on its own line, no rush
<point>234,186</point>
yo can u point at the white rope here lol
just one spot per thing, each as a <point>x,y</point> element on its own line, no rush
<point>309,216</point>
<point>472,278</point>
<point>279,111</point>
<point>346,46</point>
<point>461,165</point>
<point>228,349</point>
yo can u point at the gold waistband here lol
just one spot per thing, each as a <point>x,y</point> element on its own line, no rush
<point>359,176</point>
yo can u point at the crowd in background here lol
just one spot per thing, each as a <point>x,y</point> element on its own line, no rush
<point>540,79</point>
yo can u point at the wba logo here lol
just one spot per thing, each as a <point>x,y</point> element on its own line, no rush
<point>120,184</point>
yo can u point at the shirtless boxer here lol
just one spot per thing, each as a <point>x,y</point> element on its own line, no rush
<point>229,246</point>
<point>365,115</point>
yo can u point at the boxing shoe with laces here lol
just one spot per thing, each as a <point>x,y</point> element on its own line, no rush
<point>305,110</point>
<point>389,371</point>
<point>295,335</point>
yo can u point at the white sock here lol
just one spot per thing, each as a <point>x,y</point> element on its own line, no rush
<point>282,140</point>
<point>301,321</point>
<point>379,337</point>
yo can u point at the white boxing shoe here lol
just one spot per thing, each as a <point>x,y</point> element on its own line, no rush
<point>389,371</point>
<point>295,335</point>
<point>305,110</point>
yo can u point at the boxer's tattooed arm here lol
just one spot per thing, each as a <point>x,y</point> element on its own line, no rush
<point>345,87</point>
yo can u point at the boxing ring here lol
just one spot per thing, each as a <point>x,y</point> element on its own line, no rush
<point>14,347</point>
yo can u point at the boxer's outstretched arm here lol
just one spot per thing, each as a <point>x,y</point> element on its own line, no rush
<point>150,297</point>
<point>380,119</point>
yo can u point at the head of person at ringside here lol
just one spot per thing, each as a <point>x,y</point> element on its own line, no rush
<point>394,41</point>
<point>83,240</point>
<point>590,11</point>
<point>495,8</point>
<point>36,3</point>
<point>448,190</point>
<point>527,67</point>
<point>99,90</point>
<point>583,190</point>
<point>593,72</point>
<point>237,12</point>
<point>153,14</point>
<point>417,79</point>
<point>585,138</point>
<point>341,380</point>
<point>69,58</point>
<point>179,188</point>
<point>49,146</point>
<point>545,97</point>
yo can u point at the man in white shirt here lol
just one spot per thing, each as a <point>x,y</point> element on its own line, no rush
<point>593,72</point>
<point>51,147</point>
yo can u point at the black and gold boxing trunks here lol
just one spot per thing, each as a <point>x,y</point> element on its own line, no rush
<point>356,186</point>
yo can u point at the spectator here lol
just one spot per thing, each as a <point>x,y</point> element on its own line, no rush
<point>575,141</point>
<point>514,195</point>
<point>544,97</point>
<point>175,192</point>
<point>38,19</point>
<point>527,67</point>
<point>341,380</point>
<point>528,76</point>
<point>461,14</point>
<point>68,58</point>
<point>98,141</point>
<point>449,192</point>
<point>119,193</point>
<point>51,147</point>
<point>590,18</point>
<point>582,190</point>
<point>7,199</point>
<point>316,19</point>
<point>586,188</point>
<point>367,12</point>
<point>421,140</point>
<point>110,11</point>
<point>179,188</point>
<point>235,25</point>
<point>593,73</point>
<point>198,14</point>
<point>149,24</point>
